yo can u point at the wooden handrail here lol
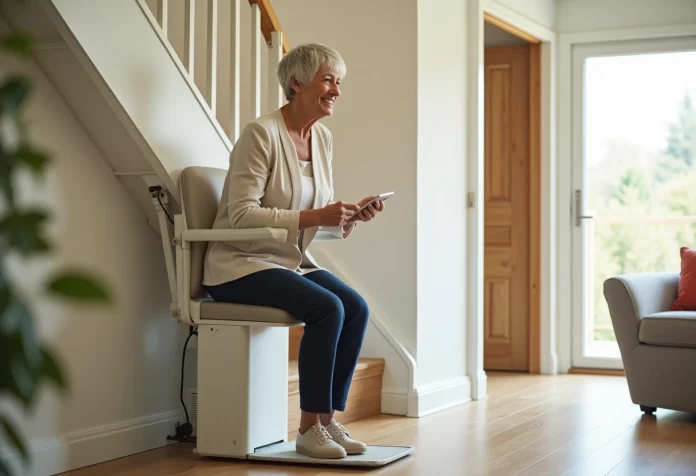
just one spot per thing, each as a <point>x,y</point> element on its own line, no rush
<point>270,22</point>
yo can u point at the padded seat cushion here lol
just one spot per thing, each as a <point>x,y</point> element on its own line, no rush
<point>671,328</point>
<point>241,312</point>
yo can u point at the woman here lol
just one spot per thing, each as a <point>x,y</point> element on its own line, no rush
<point>280,177</point>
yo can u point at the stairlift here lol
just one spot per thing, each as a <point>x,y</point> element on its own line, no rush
<point>242,350</point>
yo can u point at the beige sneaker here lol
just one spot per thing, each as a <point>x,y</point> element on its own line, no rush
<point>317,443</point>
<point>341,436</point>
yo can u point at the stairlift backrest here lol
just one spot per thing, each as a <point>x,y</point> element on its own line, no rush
<point>201,189</point>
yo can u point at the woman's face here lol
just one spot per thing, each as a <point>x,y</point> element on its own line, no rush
<point>320,95</point>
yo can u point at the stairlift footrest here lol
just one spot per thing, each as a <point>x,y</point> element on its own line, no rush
<point>376,455</point>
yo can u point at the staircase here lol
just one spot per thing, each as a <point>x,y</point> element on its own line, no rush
<point>364,398</point>
<point>160,85</point>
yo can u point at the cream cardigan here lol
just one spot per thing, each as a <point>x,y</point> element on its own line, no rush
<point>263,188</point>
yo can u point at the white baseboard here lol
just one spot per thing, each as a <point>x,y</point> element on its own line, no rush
<point>394,401</point>
<point>439,396</point>
<point>479,387</point>
<point>97,445</point>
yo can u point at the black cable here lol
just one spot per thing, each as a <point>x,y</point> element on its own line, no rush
<point>165,210</point>
<point>183,432</point>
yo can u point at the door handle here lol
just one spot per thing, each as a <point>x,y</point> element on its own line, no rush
<point>578,207</point>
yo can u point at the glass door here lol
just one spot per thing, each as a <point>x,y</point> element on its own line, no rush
<point>634,175</point>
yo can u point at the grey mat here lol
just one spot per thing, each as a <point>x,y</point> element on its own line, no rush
<point>374,456</point>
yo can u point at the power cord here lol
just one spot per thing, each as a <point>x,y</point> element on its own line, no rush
<point>183,432</point>
<point>155,191</point>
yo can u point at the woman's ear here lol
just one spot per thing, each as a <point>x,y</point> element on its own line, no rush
<point>295,84</point>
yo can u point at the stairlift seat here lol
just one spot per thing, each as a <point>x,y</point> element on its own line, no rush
<point>201,190</point>
<point>222,311</point>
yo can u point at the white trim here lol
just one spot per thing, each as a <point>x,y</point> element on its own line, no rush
<point>394,401</point>
<point>566,42</point>
<point>98,444</point>
<point>548,344</point>
<point>518,20</point>
<point>644,33</point>
<point>439,396</point>
<point>474,223</point>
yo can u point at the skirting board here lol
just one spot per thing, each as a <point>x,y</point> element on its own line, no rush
<point>97,445</point>
<point>428,399</point>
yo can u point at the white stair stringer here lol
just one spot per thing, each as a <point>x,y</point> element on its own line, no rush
<point>122,79</point>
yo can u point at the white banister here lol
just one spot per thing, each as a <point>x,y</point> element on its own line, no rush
<point>275,54</point>
<point>163,14</point>
<point>235,56</point>
<point>212,56</point>
<point>189,36</point>
<point>255,61</point>
<point>265,30</point>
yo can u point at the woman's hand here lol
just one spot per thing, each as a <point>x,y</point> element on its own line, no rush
<point>370,212</point>
<point>336,214</point>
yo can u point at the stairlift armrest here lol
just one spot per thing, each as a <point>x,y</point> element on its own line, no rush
<point>323,235</point>
<point>245,234</point>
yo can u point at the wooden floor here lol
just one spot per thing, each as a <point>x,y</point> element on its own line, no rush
<point>529,425</point>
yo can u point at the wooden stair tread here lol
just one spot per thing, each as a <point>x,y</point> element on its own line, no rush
<point>363,365</point>
<point>364,398</point>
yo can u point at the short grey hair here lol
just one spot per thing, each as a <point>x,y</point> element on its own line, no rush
<point>304,61</point>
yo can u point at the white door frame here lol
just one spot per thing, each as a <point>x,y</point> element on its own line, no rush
<point>566,43</point>
<point>475,138</point>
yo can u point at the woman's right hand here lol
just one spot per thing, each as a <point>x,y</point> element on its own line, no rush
<point>337,214</point>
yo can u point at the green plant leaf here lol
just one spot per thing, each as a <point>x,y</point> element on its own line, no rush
<point>33,158</point>
<point>4,468</point>
<point>13,93</point>
<point>79,286</point>
<point>22,383</point>
<point>19,321</point>
<point>15,438</point>
<point>24,233</point>
<point>52,369</point>
<point>5,298</point>
<point>17,43</point>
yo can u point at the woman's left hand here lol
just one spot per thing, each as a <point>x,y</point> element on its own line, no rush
<point>370,212</point>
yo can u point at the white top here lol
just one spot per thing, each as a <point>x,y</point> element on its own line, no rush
<point>307,199</point>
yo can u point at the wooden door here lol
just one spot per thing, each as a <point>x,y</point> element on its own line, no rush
<point>507,211</point>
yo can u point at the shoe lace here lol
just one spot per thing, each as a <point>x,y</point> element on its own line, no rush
<point>321,434</point>
<point>340,429</point>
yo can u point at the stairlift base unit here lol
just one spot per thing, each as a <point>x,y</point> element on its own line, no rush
<point>242,389</point>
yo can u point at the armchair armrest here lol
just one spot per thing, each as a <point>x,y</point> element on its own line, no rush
<point>631,297</point>
<point>274,234</point>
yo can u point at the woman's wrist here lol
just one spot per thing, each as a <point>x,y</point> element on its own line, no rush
<point>309,218</point>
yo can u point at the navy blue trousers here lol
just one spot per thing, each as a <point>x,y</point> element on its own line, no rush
<point>335,318</point>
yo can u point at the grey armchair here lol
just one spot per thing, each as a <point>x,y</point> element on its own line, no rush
<point>658,346</point>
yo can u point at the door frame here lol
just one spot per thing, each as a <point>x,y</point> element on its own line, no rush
<point>542,330</point>
<point>566,44</point>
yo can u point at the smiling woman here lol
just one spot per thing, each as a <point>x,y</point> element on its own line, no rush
<point>280,177</point>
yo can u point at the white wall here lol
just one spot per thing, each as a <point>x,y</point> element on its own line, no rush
<point>375,149</point>
<point>441,195</point>
<point>592,15</point>
<point>542,12</point>
<point>122,361</point>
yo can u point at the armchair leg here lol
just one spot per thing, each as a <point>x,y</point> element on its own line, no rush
<point>648,410</point>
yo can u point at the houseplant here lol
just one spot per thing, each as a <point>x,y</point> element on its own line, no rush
<point>26,363</point>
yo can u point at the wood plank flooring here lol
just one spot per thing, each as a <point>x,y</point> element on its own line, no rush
<point>528,425</point>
